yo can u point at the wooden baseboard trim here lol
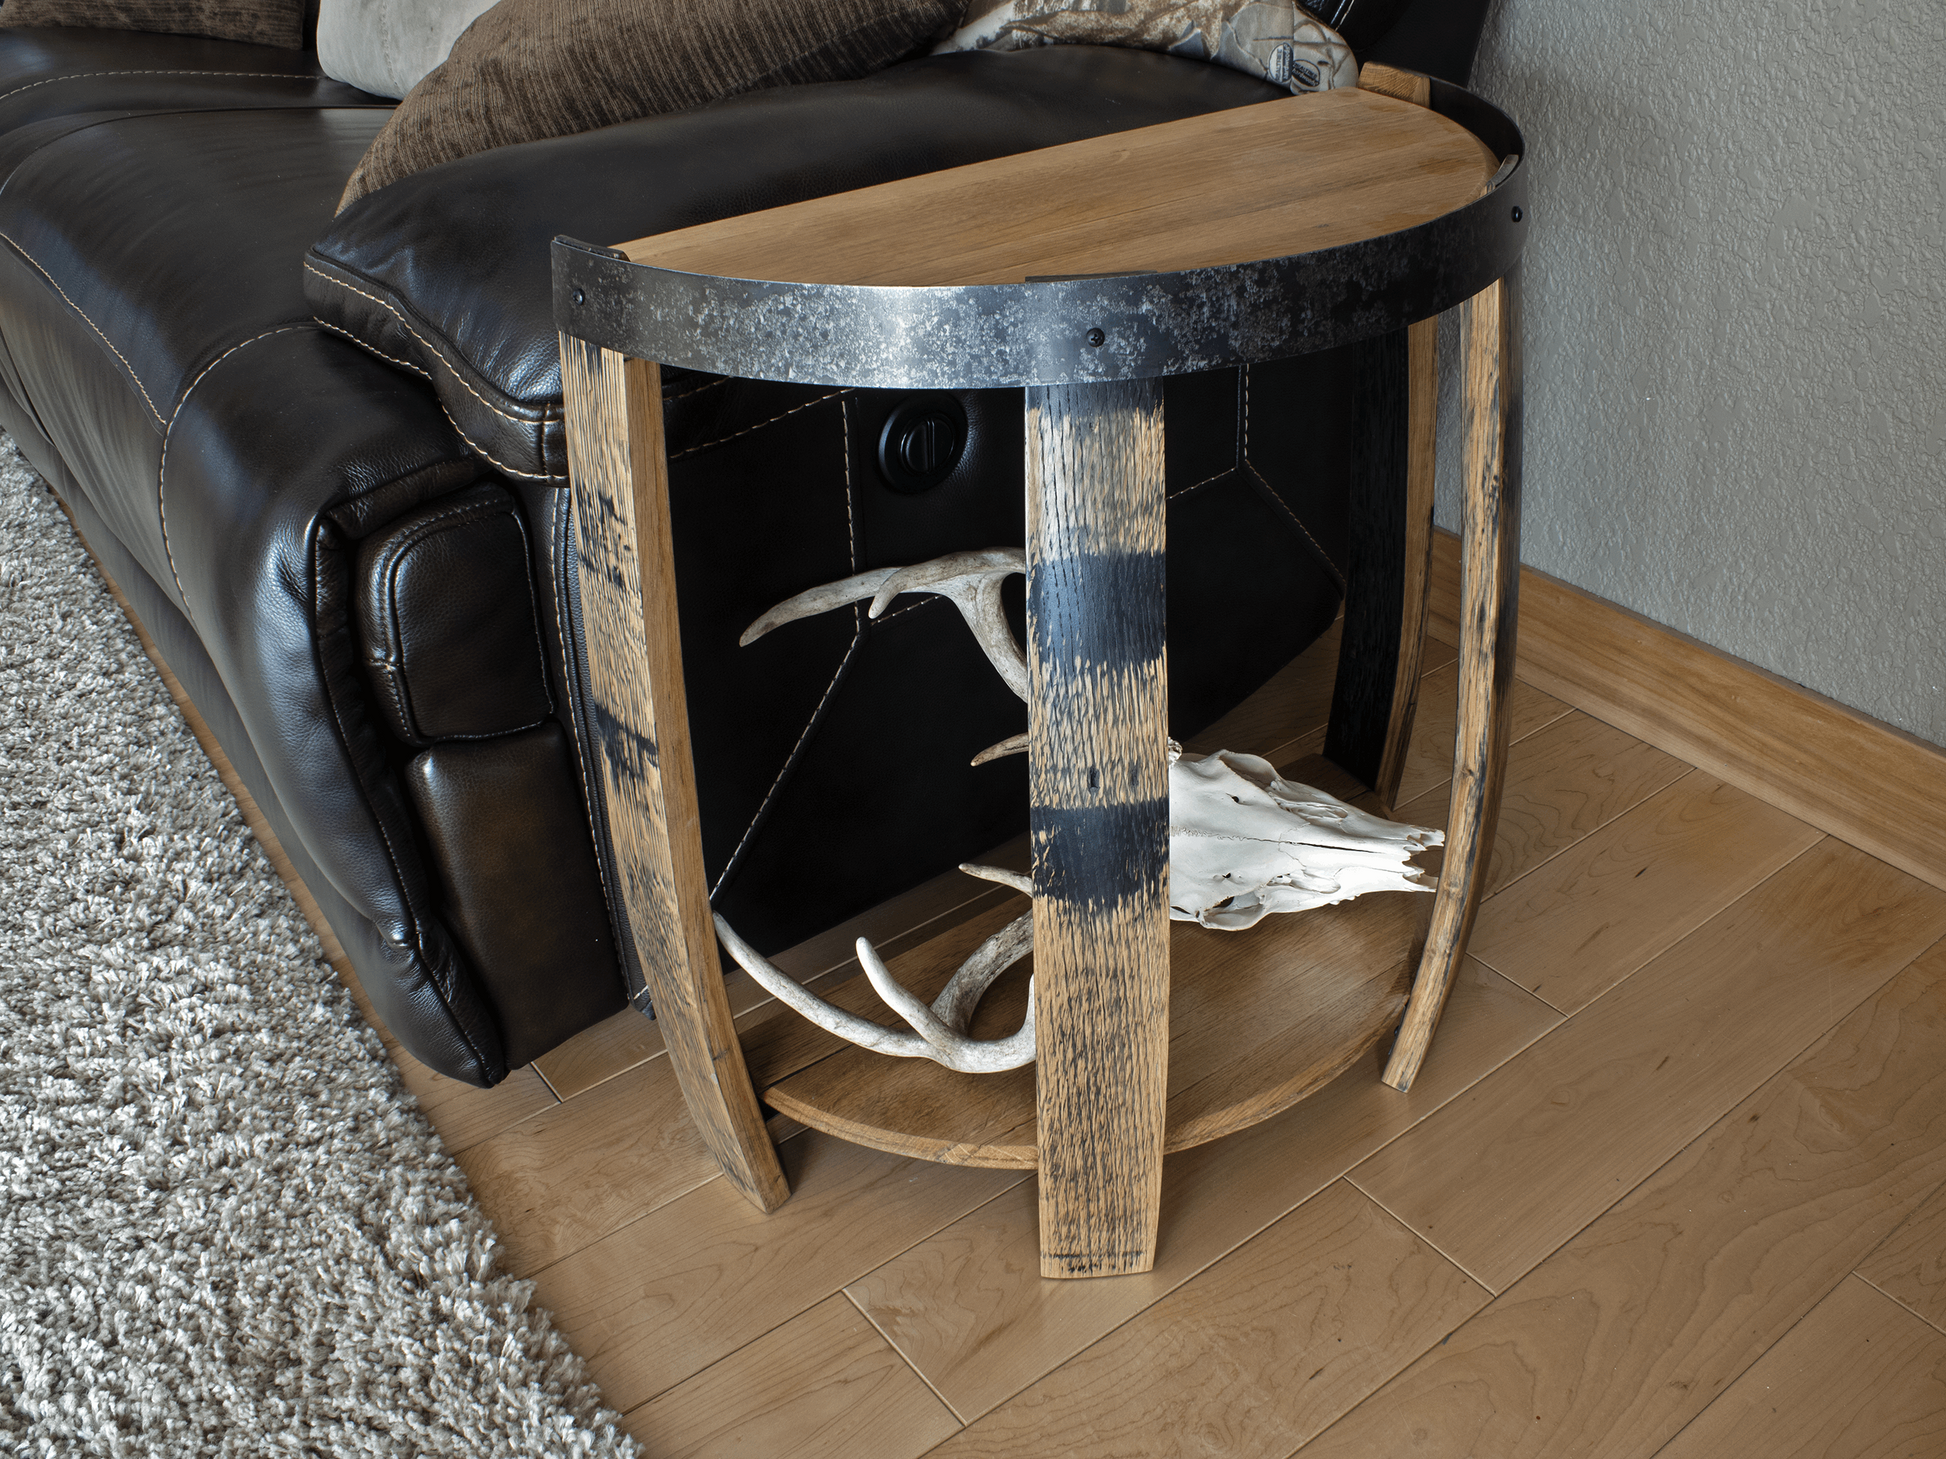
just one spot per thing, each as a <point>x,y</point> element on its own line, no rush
<point>1852,776</point>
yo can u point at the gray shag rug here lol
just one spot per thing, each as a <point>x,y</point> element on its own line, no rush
<point>224,1227</point>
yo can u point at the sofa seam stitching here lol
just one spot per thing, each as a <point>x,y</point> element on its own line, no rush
<point>147,399</point>
<point>720,440</point>
<point>428,527</point>
<point>398,870</point>
<point>89,75</point>
<point>472,445</point>
<point>1226,471</point>
<point>546,414</point>
<point>696,390</point>
<point>162,463</point>
<point>857,637</point>
<point>1284,506</point>
<point>789,760</point>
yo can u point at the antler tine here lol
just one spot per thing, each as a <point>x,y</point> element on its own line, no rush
<point>1012,745</point>
<point>972,580</point>
<point>847,1026</point>
<point>813,601</point>
<point>1018,880</point>
<point>948,1045</point>
<point>962,994</point>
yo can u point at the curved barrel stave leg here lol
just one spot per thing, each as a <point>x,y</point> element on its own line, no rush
<point>626,565</point>
<point>1377,691</point>
<point>1489,603</point>
<point>1099,774</point>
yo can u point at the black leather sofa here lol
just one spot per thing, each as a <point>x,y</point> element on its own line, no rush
<point>322,457</point>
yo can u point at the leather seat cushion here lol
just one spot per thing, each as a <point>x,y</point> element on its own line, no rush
<point>138,251</point>
<point>448,271</point>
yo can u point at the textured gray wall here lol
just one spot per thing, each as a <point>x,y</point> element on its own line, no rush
<point>1736,326</point>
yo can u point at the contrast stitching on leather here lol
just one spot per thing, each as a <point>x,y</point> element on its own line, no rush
<point>857,637</point>
<point>430,527</point>
<point>162,466</point>
<point>932,601</point>
<point>697,390</point>
<point>789,761</point>
<point>391,852</point>
<point>692,450</point>
<point>564,502</point>
<point>458,429</point>
<point>365,344</point>
<point>1226,471</point>
<point>89,75</point>
<point>546,412</point>
<point>1284,506</point>
<point>492,459</point>
<point>851,517</point>
<point>90,323</point>
<point>1236,456</point>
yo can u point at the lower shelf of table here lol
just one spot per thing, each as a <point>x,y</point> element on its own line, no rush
<point>1257,1020</point>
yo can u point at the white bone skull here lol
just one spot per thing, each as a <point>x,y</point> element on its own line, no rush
<point>1243,843</point>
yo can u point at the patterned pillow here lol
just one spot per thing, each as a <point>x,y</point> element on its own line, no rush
<point>263,22</point>
<point>529,69</point>
<point>1277,40</point>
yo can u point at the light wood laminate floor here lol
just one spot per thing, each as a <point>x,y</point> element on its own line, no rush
<point>1671,1183</point>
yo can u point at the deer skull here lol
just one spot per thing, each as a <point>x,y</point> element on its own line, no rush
<point>1244,843</point>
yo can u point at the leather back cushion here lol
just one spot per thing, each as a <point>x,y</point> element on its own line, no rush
<point>448,272</point>
<point>261,22</point>
<point>529,69</point>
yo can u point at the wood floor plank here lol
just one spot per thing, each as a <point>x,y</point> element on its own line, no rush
<point>614,1046</point>
<point>968,1308</point>
<point>1571,929</point>
<point>1615,1342</point>
<point>666,1296</point>
<point>1859,1378</point>
<point>1910,1267</point>
<point>466,1116</point>
<point>1429,753</point>
<point>1542,1146</point>
<point>576,1171</point>
<point>825,1385</point>
<point>1564,781</point>
<point>1255,1355</point>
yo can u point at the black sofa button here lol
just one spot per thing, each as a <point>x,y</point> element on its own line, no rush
<point>921,442</point>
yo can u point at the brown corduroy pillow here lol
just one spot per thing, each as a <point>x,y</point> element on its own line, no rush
<point>262,22</point>
<point>529,69</point>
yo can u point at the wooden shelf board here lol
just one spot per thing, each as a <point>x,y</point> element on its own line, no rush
<point>1350,165</point>
<point>1258,1020</point>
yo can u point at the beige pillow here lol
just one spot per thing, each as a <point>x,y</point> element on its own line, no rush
<point>263,22</point>
<point>529,69</point>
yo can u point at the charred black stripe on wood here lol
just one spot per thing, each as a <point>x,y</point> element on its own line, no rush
<point>1098,768</point>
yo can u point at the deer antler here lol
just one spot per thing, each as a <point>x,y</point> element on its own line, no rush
<point>939,1032</point>
<point>970,579</point>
